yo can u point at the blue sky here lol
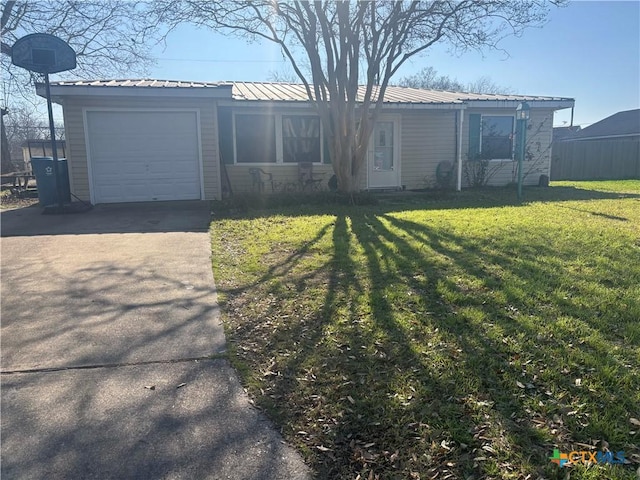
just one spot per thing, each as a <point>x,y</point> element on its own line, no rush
<point>588,50</point>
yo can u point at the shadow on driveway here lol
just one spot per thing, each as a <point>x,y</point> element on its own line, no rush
<point>183,216</point>
<point>104,424</point>
<point>112,352</point>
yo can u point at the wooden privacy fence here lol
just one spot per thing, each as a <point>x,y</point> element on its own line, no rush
<point>609,159</point>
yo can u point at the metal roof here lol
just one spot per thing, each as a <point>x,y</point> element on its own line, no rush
<point>137,83</point>
<point>288,92</point>
<point>293,92</point>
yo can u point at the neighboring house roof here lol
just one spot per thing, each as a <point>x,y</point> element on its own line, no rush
<point>565,133</point>
<point>292,92</point>
<point>621,124</point>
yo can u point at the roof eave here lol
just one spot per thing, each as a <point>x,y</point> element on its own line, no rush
<point>242,102</point>
<point>219,91</point>
<point>555,104</point>
<point>600,137</point>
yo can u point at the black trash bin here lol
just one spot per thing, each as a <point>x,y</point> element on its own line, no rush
<point>46,180</point>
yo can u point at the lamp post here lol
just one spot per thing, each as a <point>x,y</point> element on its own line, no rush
<point>522,115</point>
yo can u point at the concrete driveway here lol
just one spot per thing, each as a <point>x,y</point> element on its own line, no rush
<point>113,355</point>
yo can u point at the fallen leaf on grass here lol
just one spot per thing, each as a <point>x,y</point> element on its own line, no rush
<point>635,421</point>
<point>351,400</point>
<point>519,384</point>
<point>150,387</point>
<point>322,448</point>
<point>181,385</point>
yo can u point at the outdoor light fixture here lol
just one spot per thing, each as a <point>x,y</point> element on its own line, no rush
<point>522,115</point>
<point>523,111</point>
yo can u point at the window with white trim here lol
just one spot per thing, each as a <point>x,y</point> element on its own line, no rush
<point>497,137</point>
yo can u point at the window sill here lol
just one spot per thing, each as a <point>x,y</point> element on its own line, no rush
<point>257,164</point>
<point>494,160</point>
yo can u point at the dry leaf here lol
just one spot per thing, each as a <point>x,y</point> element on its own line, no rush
<point>150,387</point>
<point>181,385</point>
<point>351,400</point>
<point>519,384</point>
<point>635,421</point>
<point>322,448</point>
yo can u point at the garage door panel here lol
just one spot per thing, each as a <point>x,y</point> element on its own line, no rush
<point>114,194</point>
<point>144,156</point>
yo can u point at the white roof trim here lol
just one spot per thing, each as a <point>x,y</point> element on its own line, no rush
<point>221,91</point>
<point>599,137</point>
<point>555,104</point>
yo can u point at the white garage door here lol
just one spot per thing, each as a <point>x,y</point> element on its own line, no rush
<point>143,156</point>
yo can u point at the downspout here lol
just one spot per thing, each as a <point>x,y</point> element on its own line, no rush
<point>459,169</point>
<point>571,125</point>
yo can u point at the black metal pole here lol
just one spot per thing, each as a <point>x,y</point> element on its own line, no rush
<point>54,149</point>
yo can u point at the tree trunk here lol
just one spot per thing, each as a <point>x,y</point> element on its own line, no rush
<point>347,160</point>
<point>6,165</point>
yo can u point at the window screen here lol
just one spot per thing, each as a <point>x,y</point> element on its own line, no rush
<point>255,139</point>
<point>497,137</point>
<point>301,139</point>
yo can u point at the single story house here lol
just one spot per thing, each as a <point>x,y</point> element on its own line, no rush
<point>146,140</point>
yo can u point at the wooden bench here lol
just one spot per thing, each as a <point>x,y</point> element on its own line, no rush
<point>18,180</point>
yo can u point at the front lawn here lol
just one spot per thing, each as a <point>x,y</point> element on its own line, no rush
<point>456,338</point>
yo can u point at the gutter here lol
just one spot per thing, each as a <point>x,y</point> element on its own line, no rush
<point>222,91</point>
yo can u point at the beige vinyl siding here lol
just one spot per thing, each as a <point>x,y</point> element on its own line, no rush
<point>77,148</point>
<point>76,155</point>
<point>241,180</point>
<point>427,138</point>
<point>539,133</point>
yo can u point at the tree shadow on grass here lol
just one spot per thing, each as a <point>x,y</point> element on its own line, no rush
<point>253,206</point>
<point>410,361</point>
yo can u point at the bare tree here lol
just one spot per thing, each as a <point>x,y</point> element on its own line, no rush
<point>6,165</point>
<point>485,84</point>
<point>345,43</point>
<point>25,123</point>
<point>429,78</point>
<point>109,37</point>
<point>283,76</point>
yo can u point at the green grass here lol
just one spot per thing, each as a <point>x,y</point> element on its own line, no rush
<point>464,337</point>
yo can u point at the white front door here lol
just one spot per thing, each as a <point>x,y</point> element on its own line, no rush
<point>384,158</point>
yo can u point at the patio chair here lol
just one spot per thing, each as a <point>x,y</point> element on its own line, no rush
<point>258,179</point>
<point>305,176</point>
